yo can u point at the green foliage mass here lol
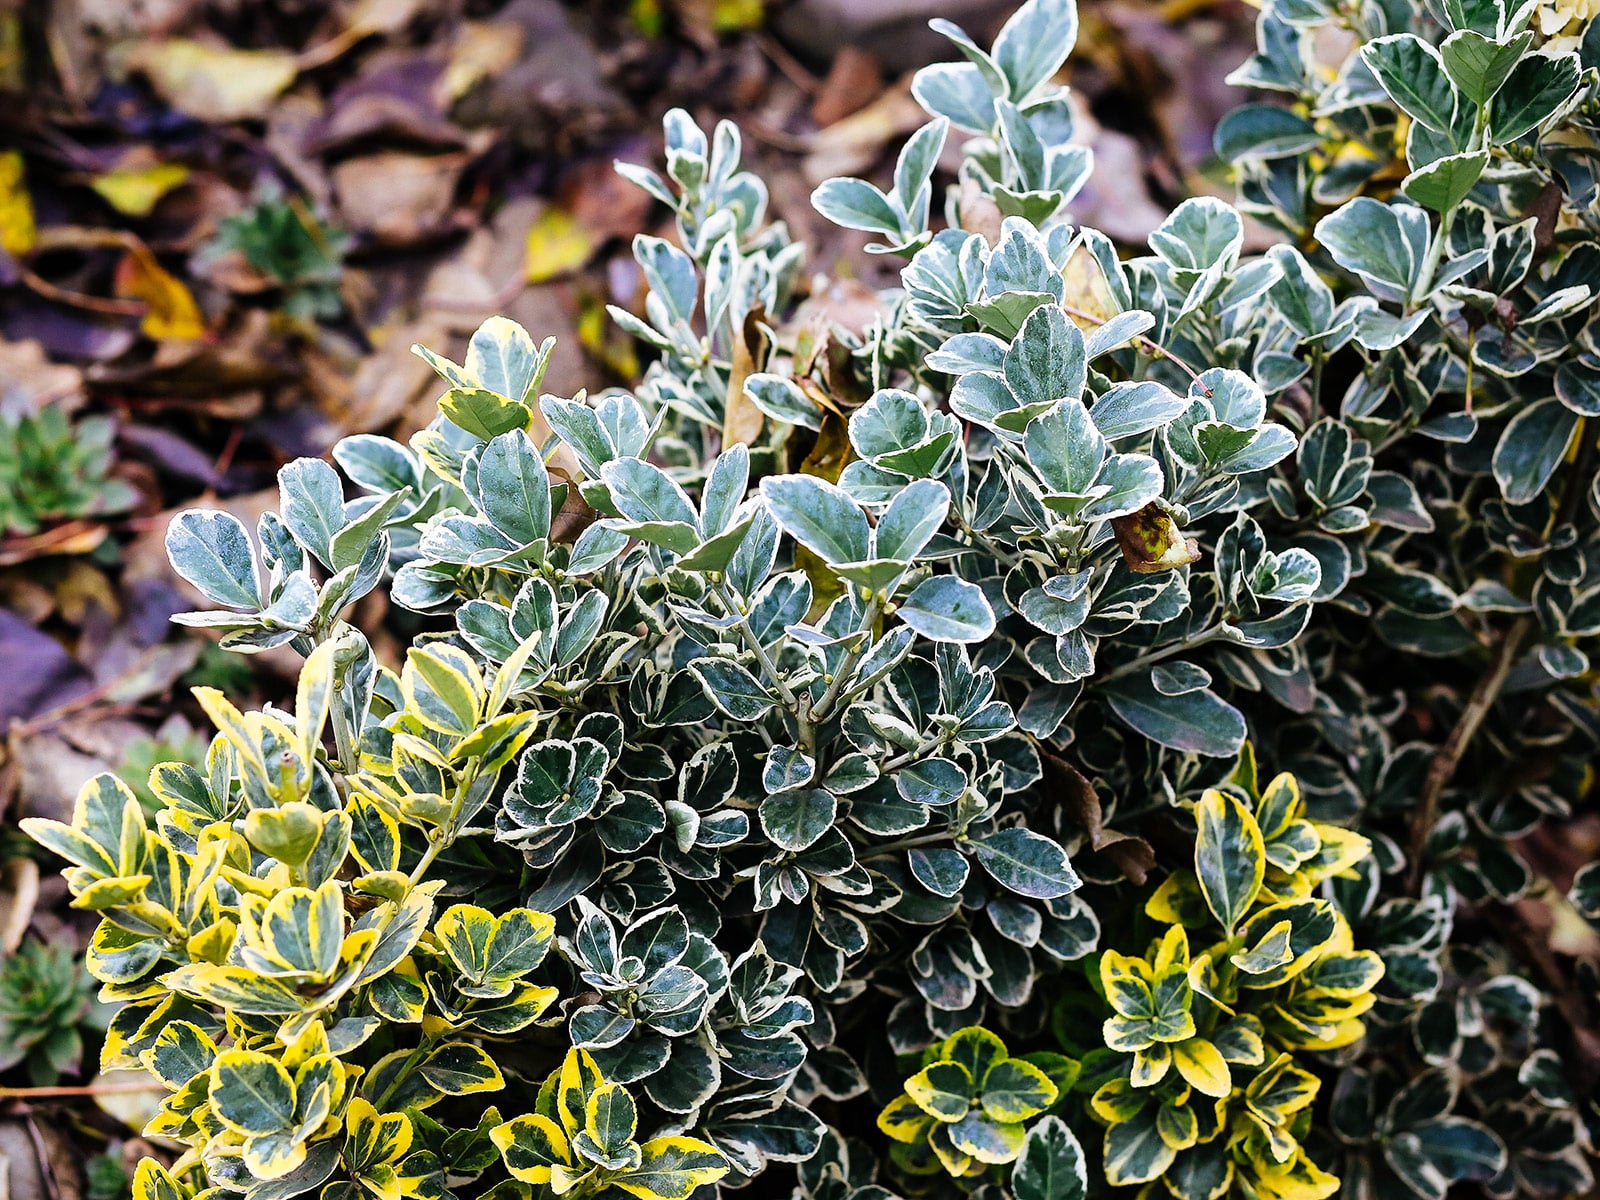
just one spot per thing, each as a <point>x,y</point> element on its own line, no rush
<point>728,798</point>
<point>46,1003</point>
<point>293,247</point>
<point>53,468</point>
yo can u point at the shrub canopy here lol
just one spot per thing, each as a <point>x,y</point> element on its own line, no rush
<point>769,719</point>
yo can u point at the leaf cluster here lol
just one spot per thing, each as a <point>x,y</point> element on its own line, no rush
<point>54,468</point>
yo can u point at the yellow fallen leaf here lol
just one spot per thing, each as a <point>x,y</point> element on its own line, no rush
<point>172,311</point>
<point>557,245</point>
<point>214,83</point>
<point>16,209</point>
<point>734,16</point>
<point>135,190</point>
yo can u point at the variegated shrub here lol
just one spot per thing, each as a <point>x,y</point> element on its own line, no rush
<point>725,800</point>
<point>1203,1081</point>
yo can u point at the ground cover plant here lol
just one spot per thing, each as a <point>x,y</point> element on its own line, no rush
<point>1080,731</point>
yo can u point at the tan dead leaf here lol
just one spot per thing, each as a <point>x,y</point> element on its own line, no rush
<point>827,460</point>
<point>68,538</point>
<point>17,231</point>
<point>28,373</point>
<point>742,421</point>
<point>1088,296</point>
<point>82,588</point>
<point>1570,933</point>
<point>853,81</point>
<point>171,310</point>
<point>130,1097</point>
<point>137,183</point>
<point>391,382</point>
<point>398,197</point>
<point>605,202</point>
<point>1151,541</point>
<point>558,244</point>
<point>19,892</point>
<point>851,146</point>
<point>979,213</point>
<point>382,16</point>
<point>480,50</point>
<point>845,302</point>
<point>212,83</point>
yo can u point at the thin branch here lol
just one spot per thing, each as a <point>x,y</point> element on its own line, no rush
<point>1155,348</point>
<point>90,1089</point>
<point>1154,656</point>
<point>1448,757</point>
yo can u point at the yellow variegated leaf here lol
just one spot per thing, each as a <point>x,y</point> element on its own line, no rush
<point>505,679</point>
<point>1280,803</point>
<point>1203,979</point>
<point>181,1052</point>
<point>1272,950</point>
<point>1201,1064</point>
<point>1240,1041</point>
<point>311,1043</point>
<point>1340,850</point>
<point>1150,1065</point>
<point>314,698</point>
<point>298,932</point>
<point>903,1121</point>
<point>374,1139</point>
<point>1179,901</point>
<point>274,1155</point>
<point>1135,1152</point>
<point>672,1167</point>
<point>1229,857</point>
<point>288,833</point>
<point>111,893</point>
<point>1126,981</point>
<point>1344,973</point>
<point>1172,955</point>
<point>443,689</point>
<point>955,1161</point>
<point>152,1181</point>
<point>1115,1101</point>
<point>1281,1090</point>
<point>236,988</point>
<point>461,1068</point>
<point>231,723</point>
<point>1297,1179</point>
<point>1177,1125</point>
<point>496,742</point>
<point>531,1146</point>
<point>252,1092</point>
<point>1312,925</point>
<point>944,1090</point>
<point>579,1075</point>
<point>464,930</point>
